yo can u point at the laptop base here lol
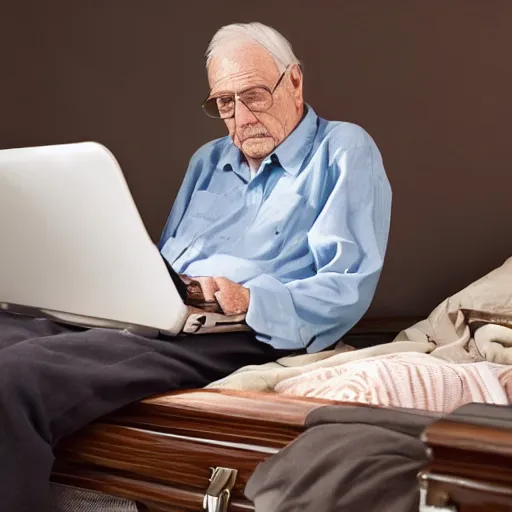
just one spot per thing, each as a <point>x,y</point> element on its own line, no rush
<point>197,322</point>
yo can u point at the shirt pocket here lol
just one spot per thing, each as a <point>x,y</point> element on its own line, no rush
<point>203,211</point>
<point>206,206</point>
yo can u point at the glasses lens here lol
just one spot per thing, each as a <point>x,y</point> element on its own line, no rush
<point>223,107</point>
<point>257,99</point>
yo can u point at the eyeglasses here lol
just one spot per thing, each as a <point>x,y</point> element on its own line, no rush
<point>256,99</point>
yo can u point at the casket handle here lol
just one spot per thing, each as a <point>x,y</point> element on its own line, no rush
<point>441,501</point>
<point>218,494</point>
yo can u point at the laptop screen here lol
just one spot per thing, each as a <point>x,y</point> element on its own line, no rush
<point>178,282</point>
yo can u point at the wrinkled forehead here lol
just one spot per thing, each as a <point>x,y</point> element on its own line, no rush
<point>242,67</point>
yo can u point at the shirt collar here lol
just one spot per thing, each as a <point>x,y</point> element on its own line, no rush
<point>290,153</point>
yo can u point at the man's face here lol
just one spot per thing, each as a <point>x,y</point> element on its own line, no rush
<point>257,134</point>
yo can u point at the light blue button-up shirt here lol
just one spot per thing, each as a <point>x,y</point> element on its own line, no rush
<point>307,235</point>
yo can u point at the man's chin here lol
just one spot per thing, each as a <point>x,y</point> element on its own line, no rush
<point>258,147</point>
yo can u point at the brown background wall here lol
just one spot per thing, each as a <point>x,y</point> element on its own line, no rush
<point>430,80</point>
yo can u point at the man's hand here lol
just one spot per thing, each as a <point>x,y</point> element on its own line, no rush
<point>208,287</point>
<point>233,298</point>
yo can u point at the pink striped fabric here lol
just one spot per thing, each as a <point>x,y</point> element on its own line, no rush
<point>410,380</point>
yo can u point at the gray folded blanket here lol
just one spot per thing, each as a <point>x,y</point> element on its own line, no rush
<point>349,458</point>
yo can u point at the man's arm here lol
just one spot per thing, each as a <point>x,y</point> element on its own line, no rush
<point>231,297</point>
<point>348,243</point>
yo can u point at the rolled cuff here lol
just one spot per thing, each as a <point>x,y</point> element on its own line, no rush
<point>272,314</point>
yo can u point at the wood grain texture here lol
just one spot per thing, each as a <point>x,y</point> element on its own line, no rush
<point>470,437</point>
<point>158,458</point>
<point>169,444</point>
<point>149,496</point>
<point>259,418</point>
<point>470,466</point>
<point>479,452</point>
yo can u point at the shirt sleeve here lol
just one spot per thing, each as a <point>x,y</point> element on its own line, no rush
<point>348,242</point>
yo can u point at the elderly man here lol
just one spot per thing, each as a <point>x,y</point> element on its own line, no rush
<point>291,210</point>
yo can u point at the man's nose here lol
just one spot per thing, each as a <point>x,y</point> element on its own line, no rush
<point>243,116</point>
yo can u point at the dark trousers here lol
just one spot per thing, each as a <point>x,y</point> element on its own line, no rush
<point>55,379</point>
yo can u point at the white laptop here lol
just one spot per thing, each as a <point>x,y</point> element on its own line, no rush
<point>74,247</point>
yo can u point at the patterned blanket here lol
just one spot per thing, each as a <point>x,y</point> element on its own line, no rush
<point>461,353</point>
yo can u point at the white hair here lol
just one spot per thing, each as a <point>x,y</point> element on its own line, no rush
<point>237,35</point>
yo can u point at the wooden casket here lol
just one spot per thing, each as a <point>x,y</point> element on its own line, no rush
<point>182,451</point>
<point>195,450</point>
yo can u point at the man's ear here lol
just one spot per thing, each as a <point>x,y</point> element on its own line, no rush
<point>296,78</point>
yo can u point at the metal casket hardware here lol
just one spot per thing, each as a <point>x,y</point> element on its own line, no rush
<point>218,494</point>
<point>423,484</point>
